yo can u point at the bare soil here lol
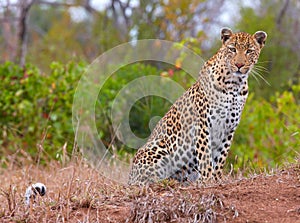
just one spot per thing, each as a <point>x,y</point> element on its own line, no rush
<point>77,193</point>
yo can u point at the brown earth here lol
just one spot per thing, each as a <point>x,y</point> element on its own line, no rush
<point>77,193</point>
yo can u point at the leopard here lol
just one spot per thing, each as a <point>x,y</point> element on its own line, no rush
<point>192,140</point>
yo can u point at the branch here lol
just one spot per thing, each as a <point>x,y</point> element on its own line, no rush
<point>282,13</point>
<point>22,34</point>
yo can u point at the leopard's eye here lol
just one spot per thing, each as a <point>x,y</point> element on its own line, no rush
<point>249,51</point>
<point>232,49</point>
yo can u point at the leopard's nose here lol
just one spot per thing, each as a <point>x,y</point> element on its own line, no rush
<point>239,65</point>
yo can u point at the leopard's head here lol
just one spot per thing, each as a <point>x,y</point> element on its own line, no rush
<point>241,50</point>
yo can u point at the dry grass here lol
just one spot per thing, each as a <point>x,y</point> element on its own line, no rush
<point>69,188</point>
<point>79,193</point>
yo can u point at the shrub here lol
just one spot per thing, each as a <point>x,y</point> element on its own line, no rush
<point>36,106</point>
<point>143,109</point>
<point>269,132</point>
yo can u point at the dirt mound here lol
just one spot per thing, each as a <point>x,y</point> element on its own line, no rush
<point>77,193</point>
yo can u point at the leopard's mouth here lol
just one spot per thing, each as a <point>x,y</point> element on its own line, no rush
<point>240,71</point>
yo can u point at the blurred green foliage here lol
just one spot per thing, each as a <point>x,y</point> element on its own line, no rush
<point>35,105</point>
<point>144,109</point>
<point>110,90</point>
<point>269,132</point>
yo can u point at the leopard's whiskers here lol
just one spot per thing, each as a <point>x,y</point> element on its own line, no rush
<point>266,61</point>
<point>256,72</point>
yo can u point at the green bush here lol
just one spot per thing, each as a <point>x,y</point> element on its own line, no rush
<point>36,106</point>
<point>143,109</point>
<point>269,132</point>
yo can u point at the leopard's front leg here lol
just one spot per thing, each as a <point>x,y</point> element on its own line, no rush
<point>204,156</point>
<point>220,154</point>
<point>203,152</point>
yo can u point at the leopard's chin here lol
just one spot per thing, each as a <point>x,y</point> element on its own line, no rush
<point>240,74</point>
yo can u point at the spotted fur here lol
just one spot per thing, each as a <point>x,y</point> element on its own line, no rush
<point>191,142</point>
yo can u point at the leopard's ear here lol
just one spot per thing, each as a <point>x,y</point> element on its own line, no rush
<point>225,34</point>
<point>260,37</point>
